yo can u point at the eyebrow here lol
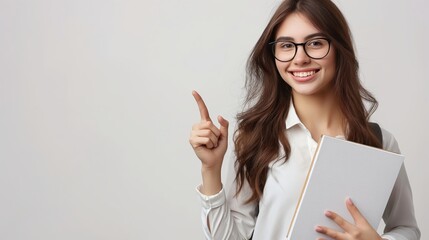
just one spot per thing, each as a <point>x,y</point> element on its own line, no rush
<point>285,38</point>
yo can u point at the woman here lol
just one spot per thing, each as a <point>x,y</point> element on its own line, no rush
<point>302,82</point>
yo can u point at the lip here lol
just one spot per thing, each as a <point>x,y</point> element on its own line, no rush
<point>303,79</point>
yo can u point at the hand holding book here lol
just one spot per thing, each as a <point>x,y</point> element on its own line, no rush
<point>341,169</point>
<point>360,230</point>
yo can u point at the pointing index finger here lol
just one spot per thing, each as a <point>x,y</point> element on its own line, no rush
<point>204,112</point>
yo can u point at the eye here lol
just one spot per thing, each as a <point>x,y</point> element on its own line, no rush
<point>317,43</point>
<point>285,46</point>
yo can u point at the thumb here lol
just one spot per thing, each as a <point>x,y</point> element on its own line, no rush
<point>223,126</point>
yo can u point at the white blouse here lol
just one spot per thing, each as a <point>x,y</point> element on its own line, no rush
<point>230,218</point>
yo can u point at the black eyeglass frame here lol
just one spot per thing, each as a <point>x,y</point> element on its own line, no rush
<point>296,48</point>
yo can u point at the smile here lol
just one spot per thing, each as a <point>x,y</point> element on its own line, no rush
<point>304,74</point>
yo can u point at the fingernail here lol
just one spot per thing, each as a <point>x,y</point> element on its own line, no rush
<point>318,229</point>
<point>349,201</point>
<point>328,213</point>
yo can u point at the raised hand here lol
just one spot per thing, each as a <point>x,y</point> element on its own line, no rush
<point>208,141</point>
<point>360,230</point>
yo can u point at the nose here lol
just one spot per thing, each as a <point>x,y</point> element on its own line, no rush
<point>301,57</point>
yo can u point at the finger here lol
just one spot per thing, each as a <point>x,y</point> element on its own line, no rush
<point>206,126</point>
<point>204,112</point>
<point>340,221</point>
<point>207,133</point>
<point>212,127</point>
<point>224,124</point>
<point>201,142</point>
<point>354,211</point>
<point>330,233</point>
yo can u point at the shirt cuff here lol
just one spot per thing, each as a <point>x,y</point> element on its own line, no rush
<point>386,237</point>
<point>212,201</point>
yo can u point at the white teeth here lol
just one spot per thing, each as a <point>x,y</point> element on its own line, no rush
<point>303,74</point>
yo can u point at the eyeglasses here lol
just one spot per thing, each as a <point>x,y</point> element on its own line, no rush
<point>285,51</point>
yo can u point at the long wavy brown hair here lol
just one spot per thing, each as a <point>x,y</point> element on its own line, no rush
<point>261,126</point>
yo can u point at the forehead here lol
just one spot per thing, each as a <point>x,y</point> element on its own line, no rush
<point>296,26</point>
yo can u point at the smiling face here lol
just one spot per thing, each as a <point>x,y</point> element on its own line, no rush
<point>305,75</point>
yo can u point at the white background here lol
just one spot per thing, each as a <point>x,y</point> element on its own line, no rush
<point>96,106</point>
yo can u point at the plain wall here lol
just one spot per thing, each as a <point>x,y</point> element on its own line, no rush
<point>96,106</point>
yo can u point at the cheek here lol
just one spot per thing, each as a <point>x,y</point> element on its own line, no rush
<point>329,66</point>
<point>331,69</point>
<point>281,68</point>
<point>331,63</point>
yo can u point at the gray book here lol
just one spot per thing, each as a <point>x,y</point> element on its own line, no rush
<point>342,169</point>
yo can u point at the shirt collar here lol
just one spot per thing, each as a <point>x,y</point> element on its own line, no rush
<point>292,118</point>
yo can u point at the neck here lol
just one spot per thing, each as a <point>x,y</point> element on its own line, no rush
<point>321,115</point>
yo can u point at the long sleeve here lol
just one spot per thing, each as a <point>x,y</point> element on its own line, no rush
<point>225,216</point>
<point>399,213</point>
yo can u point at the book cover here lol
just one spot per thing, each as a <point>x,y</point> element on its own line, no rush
<point>342,169</point>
